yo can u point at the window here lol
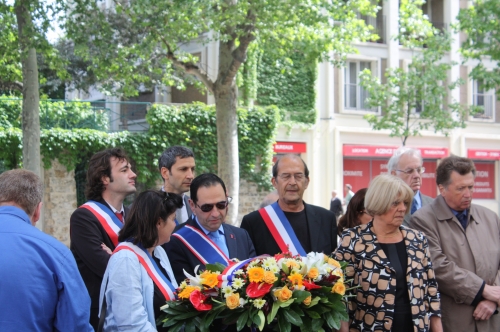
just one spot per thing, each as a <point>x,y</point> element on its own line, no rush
<point>483,98</point>
<point>355,95</point>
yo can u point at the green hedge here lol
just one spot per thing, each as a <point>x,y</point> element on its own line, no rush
<point>192,125</point>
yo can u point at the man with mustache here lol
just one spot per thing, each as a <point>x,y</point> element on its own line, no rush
<point>177,165</point>
<point>290,224</point>
<point>464,242</point>
<point>406,164</point>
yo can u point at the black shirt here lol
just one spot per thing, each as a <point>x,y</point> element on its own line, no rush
<point>298,221</point>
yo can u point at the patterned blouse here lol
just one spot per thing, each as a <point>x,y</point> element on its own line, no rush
<point>372,306</point>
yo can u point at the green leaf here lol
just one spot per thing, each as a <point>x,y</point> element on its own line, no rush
<point>217,267</point>
<point>292,317</point>
<point>242,321</point>
<point>262,320</point>
<point>273,312</point>
<point>284,324</point>
<point>300,296</point>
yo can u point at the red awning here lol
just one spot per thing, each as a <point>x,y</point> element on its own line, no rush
<point>483,154</point>
<point>289,147</point>
<point>387,151</point>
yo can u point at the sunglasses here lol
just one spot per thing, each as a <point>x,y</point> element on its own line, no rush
<point>219,205</point>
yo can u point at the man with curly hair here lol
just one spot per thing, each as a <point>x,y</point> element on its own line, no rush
<point>94,226</point>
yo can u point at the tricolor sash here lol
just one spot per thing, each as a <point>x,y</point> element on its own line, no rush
<point>281,230</point>
<point>148,263</point>
<point>227,276</point>
<point>106,217</point>
<point>201,246</point>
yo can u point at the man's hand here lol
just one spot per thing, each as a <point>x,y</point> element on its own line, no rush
<point>492,293</point>
<point>484,310</point>
<point>106,249</point>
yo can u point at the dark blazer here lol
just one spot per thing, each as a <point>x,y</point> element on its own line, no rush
<point>238,243</point>
<point>336,207</point>
<point>322,231</point>
<point>87,234</point>
<point>426,200</point>
<point>371,269</point>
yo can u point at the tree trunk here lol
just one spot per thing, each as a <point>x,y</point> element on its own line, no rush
<point>31,96</point>
<point>226,101</point>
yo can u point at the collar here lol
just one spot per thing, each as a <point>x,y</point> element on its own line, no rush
<point>418,199</point>
<point>456,213</point>
<point>220,230</point>
<point>15,211</point>
<point>122,211</point>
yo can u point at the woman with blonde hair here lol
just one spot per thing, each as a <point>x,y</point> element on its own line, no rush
<point>391,265</point>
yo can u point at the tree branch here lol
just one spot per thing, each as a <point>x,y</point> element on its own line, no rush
<point>12,86</point>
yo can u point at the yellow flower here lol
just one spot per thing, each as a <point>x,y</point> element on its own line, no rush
<point>338,273</point>
<point>292,263</point>
<point>187,291</point>
<point>313,273</point>
<point>209,279</point>
<point>307,300</point>
<point>269,277</point>
<point>233,301</point>
<point>333,262</point>
<point>283,294</point>
<point>339,288</point>
<point>255,274</point>
<point>296,279</point>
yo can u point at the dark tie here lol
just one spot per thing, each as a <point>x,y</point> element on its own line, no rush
<point>219,241</point>
<point>119,215</point>
<point>462,217</point>
<point>414,206</point>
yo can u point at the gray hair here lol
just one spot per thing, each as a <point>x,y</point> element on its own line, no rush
<point>392,165</point>
<point>169,156</point>
<point>383,191</point>
<point>22,187</point>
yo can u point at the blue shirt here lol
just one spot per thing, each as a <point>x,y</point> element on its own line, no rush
<point>221,232</point>
<point>418,199</point>
<point>40,286</point>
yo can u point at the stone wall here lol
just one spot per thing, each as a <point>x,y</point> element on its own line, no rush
<point>59,201</point>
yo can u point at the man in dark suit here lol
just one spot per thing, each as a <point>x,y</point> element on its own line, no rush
<point>299,226</point>
<point>336,205</point>
<point>406,164</point>
<point>95,224</point>
<point>205,238</point>
<point>177,167</point>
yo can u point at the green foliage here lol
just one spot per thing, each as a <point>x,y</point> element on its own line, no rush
<point>481,23</point>
<point>413,99</point>
<point>192,125</point>
<point>288,83</point>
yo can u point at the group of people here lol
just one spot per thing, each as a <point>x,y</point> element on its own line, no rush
<point>415,264</point>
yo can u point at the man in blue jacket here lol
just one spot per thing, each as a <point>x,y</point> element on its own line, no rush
<point>40,287</point>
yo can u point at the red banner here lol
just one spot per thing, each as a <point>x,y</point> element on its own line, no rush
<point>484,184</point>
<point>289,147</point>
<point>357,173</point>
<point>388,151</point>
<point>483,154</point>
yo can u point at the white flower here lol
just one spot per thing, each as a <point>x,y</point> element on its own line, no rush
<point>193,281</point>
<point>259,303</point>
<point>242,302</point>
<point>269,263</point>
<point>238,283</point>
<point>238,272</point>
<point>227,290</point>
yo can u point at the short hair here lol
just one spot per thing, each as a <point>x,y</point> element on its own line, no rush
<point>275,166</point>
<point>392,165</point>
<point>22,187</point>
<point>169,156</point>
<point>148,207</point>
<point>355,207</point>
<point>383,191</point>
<point>99,166</point>
<point>205,180</point>
<point>461,165</point>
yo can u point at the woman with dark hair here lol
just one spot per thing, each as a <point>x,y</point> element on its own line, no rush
<point>139,278</point>
<point>355,214</point>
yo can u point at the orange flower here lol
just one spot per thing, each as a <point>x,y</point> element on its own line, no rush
<point>255,274</point>
<point>209,279</point>
<point>333,262</point>
<point>269,277</point>
<point>307,300</point>
<point>296,279</point>
<point>291,263</point>
<point>233,301</point>
<point>184,294</point>
<point>339,288</point>
<point>283,294</point>
<point>313,273</point>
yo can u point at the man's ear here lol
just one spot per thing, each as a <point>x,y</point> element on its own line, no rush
<point>273,181</point>
<point>105,180</point>
<point>393,172</point>
<point>441,188</point>
<point>164,173</point>
<point>191,204</point>
<point>36,214</point>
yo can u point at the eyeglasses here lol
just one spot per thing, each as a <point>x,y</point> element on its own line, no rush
<point>410,171</point>
<point>219,205</point>
<point>288,176</point>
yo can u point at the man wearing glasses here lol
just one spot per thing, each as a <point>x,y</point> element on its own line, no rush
<point>290,224</point>
<point>205,238</point>
<point>406,164</point>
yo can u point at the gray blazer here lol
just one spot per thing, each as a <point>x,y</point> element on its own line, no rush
<point>426,200</point>
<point>178,214</point>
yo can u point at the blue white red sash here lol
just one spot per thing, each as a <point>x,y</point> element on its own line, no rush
<point>160,280</point>
<point>106,217</point>
<point>281,230</point>
<point>227,276</point>
<point>201,246</point>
